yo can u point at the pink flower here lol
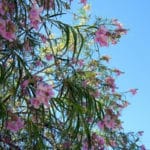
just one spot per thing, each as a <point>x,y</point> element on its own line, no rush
<point>83,2</point>
<point>7,30</point>
<point>98,139</point>
<point>101,125</point>
<point>101,140</point>
<point>35,12</point>
<point>118,72</point>
<point>80,62</point>
<point>43,38</point>
<point>38,63</point>
<point>2,26</point>
<point>125,104</point>
<point>44,93</point>
<point>2,10</point>
<point>97,142</point>
<point>85,146</point>
<point>24,84</point>
<point>108,122</point>
<point>101,36</point>
<point>117,23</point>
<point>142,147</point>
<point>49,57</point>
<point>4,7</point>
<point>34,16</point>
<point>140,133</point>
<point>45,88</point>
<point>120,30</point>
<point>111,83</point>
<point>35,102</point>
<point>9,36</point>
<point>133,91</point>
<point>15,125</point>
<point>111,124</point>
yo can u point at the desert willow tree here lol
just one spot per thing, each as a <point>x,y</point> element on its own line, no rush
<point>56,90</point>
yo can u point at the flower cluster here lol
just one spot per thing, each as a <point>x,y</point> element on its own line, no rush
<point>44,93</point>
<point>34,16</point>
<point>15,124</point>
<point>133,91</point>
<point>109,122</point>
<point>98,143</point>
<point>103,36</point>
<point>7,27</point>
<point>110,82</point>
<point>83,2</point>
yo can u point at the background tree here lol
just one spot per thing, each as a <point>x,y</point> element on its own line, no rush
<point>56,90</point>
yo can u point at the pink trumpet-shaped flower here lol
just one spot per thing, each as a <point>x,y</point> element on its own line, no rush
<point>142,147</point>
<point>101,36</point>
<point>34,16</point>
<point>111,83</point>
<point>7,30</point>
<point>118,72</point>
<point>133,91</point>
<point>49,57</point>
<point>15,124</point>
<point>44,93</point>
<point>83,2</point>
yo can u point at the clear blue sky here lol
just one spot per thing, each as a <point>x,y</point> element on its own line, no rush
<point>131,55</point>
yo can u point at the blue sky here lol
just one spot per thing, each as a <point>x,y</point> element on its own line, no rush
<point>131,55</point>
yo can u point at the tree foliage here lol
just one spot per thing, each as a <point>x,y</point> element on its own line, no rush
<point>56,89</point>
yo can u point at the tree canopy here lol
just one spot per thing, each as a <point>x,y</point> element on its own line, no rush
<point>57,91</point>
